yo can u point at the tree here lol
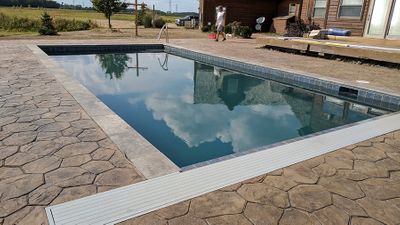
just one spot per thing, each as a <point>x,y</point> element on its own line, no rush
<point>47,26</point>
<point>114,65</point>
<point>108,8</point>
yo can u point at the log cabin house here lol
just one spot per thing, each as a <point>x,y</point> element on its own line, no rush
<point>369,18</point>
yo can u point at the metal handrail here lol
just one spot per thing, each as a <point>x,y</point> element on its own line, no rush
<point>164,29</point>
<point>164,65</point>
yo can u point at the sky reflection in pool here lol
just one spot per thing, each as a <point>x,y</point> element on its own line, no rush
<point>194,112</point>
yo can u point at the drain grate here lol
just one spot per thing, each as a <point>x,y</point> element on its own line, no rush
<point>348,92</point>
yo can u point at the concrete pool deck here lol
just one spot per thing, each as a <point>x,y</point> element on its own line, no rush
<point>51,151</point>
<point>356,185</point>
<point>50,120</point>
<point>366,76</point>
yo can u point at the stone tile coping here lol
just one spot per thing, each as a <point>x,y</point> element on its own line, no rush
<point>388,101</point>
<point>98,49</point>
<point>148,160</point>
<point>138,199</point>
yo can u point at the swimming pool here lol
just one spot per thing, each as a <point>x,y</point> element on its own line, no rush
<point>194,112</point>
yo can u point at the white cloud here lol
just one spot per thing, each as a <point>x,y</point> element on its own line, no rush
<point>87,70</point>
<point>244,128</point>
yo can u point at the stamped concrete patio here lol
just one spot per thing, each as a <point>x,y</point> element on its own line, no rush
<point>51,151</point>
<point>357,185</point>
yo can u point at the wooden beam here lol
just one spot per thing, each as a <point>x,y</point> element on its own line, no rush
<point>333,48</point>
<point>137,17</point>
<point>328,4</point>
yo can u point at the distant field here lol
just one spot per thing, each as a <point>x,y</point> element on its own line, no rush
<point>124,29</point>
<point>35,13</point>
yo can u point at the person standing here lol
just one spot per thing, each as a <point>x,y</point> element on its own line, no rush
<point>221,15</point>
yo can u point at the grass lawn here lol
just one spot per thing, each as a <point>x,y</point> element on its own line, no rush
<point>120,20</point>
<point>35,13</point>
<point>4,33</point>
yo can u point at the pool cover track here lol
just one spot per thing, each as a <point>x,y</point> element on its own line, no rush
<point>167,185</point>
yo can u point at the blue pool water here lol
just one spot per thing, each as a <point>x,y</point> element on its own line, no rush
<point>194,112</point>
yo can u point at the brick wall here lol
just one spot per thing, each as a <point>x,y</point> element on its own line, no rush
<point>246,11</point>
<point>237,10</point>
<point>283,6</point>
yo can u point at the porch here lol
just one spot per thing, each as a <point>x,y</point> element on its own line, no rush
<point>357,48</point>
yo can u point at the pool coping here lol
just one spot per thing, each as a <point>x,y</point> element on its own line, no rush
<point>155,166</point>
<point>138,149</point>
<point>149,162</point>
<point>327,86</point>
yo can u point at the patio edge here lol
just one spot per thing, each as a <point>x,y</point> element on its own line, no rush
<point>136,148</point>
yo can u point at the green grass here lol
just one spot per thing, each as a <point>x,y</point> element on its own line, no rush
<point>6,33</point>
<point>26,24</point>
<point>34,13</point>
<point>59,14</point>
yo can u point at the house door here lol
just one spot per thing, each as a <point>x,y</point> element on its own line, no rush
<point>384,19</point>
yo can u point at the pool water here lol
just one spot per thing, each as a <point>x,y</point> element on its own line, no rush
<point>193,112</point>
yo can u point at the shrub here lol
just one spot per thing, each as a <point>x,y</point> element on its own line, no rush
<point>245,32</point>
<point>63,25</point>
<point>299,28</point>
<point>205,28</point>
<point>47,26</point>
<point>169,19</point>
<point>146,21</point>
<point>141,15</point>
<point>13,23</point>
<point>213,28</point>
<point>228,29</point>
<point>237,29</point>
<point>93,24</point>
<point>159,22</point>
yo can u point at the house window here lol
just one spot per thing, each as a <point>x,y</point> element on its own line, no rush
<point>350,8</point>
<point>320,8</point>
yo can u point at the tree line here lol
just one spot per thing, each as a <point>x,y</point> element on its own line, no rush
<point>31,3</point>
<point>54,4</point>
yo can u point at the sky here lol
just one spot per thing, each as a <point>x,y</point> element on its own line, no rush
<point>183,5</point>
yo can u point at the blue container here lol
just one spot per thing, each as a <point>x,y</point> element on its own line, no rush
<point>339,32</point>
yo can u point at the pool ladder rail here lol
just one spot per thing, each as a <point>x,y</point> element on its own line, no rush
<point>164,30</point>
